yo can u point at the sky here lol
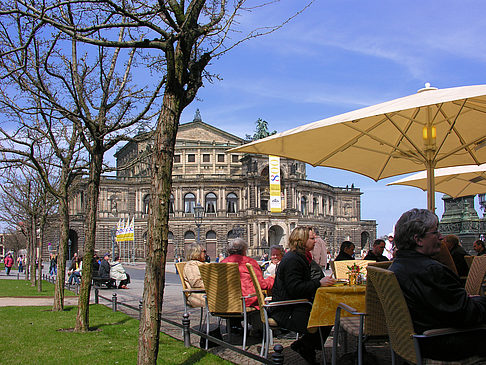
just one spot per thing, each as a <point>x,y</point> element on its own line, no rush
<point>342,55</point>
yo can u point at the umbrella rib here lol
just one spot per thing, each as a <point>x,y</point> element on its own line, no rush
<point>452,128</point>
<point>363,133</point>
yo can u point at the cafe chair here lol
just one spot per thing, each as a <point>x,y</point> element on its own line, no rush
<point>444,257</point>
<point>186,291</point>
<point>469,260</point>
<point>341,267</point>
<point>224,298</point>
<point>403,339</point>
<point>265,304</point>
<point>367,326</point>
<point>475,278</point>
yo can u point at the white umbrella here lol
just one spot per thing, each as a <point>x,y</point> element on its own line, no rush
<point>454,181</point>
<point>430,129</point>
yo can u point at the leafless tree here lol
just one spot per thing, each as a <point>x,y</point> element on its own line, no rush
<point>178,39</point>
<point>25,205</point>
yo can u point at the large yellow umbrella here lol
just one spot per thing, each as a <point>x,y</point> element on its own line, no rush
<point>454,181</point>
<point>430,129</point>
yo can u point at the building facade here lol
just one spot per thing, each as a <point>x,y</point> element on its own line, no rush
<point>233,189</point>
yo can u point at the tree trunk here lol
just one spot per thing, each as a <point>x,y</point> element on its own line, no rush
<point>32,245</point>
<point>61,256</point>
<point>82,318</point>
<point>39,264</point>
<point>148,343</point>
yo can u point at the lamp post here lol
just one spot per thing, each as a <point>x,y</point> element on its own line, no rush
<point>198,217</point>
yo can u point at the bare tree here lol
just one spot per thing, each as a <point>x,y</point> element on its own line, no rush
<point>89,88</point>
<point>179,38</point>
<point>26,205</point>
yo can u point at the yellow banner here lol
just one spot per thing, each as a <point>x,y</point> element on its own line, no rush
<point>274,177</point>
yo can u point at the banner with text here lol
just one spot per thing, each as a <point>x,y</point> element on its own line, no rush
<point>274,176</point>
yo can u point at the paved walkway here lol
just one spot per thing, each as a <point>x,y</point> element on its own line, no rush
<point>173,309</point>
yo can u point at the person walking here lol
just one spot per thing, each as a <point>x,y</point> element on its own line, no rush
<point>8,261</point>
<point>53,265</point>
<point>20,263</point>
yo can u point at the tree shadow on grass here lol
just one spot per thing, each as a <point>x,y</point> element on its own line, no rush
<point>98,327</point>
<point>194,358</point>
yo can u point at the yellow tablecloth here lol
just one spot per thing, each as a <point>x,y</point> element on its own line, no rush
<point>327,300</point>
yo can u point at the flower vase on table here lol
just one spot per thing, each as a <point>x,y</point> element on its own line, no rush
<point>353,274</point>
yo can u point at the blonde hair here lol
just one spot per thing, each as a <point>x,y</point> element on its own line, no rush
<point>299,237</point>
<point>194,251</point>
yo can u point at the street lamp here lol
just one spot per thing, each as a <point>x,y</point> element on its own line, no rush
<point>198,217</point>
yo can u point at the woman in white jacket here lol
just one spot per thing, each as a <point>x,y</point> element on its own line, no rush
<point>117,272</point>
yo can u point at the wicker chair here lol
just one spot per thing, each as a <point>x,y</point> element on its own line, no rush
<point>264,303</point>
<point>341,267</point>
<point>223,294</point>
<point>403,339</point>
<point>475,278</point>
<point>469,260</point>
<point>365,326</point>
<point>444,257</point>
<point>186,291</point>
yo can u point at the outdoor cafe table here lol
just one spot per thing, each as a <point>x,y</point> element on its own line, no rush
<point>327,300</point>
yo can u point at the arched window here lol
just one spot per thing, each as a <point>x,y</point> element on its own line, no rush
<point>189,236</point>
<point>210,203</point>
<point>146,204</point>
<point>211,236</point>
<point>315,206</point>
<point>171,204</point>
<point>231,203</point>
<point>303,205</point>
<point>189,203</point>
<point>170,237</point>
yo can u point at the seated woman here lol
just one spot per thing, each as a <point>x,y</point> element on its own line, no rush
<point>118,272</point>
<point>293,281</point>
<point>346,251</point>
<point>76,270</point>
<point>237,253</point>
<point>195,257</point>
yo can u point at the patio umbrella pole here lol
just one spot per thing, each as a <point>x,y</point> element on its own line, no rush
<point>430,186</point>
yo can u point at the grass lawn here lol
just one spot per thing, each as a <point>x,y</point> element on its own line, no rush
<point>36,335</point>
<point>22,288</point>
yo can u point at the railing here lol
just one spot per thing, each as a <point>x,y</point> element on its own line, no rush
<point>276,359</point>
<point>277,356</point>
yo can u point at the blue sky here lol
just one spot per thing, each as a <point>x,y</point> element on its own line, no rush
<point>338,56</point>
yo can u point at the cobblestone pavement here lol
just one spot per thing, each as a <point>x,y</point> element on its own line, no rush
<point>173,309</point>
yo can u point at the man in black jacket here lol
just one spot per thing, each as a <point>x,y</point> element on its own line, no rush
<point>376,254</point>
<point>104,271</point>
<point>434,294</point>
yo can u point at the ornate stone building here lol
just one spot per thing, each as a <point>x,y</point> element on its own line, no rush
<point>460,218</point>
<point>234,191</point>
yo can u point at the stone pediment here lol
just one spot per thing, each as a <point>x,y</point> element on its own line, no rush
<point>201,132</point>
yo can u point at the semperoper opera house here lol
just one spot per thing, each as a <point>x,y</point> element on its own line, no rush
<point>233,188</point>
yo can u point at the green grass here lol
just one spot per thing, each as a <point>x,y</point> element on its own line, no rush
<point>36,335</point>
<point>22,288</point>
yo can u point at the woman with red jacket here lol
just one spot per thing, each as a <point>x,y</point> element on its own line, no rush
<point>237,253</point>
<point>8,263</point>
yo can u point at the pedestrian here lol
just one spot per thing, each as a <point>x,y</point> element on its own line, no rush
<point>53,265</point>
<point>20,263</point>
<point>8,261</point>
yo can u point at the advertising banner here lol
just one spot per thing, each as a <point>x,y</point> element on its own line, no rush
<point>274,177</point>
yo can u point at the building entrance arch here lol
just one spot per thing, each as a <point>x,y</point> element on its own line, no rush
<point>72,244</point>
<point>365,241</point>
<point>276,236</point>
